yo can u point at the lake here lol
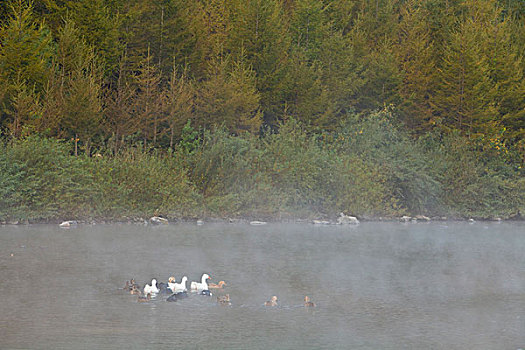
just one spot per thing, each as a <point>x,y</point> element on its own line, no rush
<point>378,285</point>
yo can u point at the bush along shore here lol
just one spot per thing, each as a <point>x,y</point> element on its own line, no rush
<point>367,167</point>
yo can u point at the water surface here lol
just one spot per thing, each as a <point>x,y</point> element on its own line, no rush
<point>377,286</point>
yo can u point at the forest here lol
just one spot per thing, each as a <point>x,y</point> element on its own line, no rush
<point>261,108</point>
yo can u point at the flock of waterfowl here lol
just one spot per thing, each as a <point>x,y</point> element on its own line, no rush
<point>177,291</point>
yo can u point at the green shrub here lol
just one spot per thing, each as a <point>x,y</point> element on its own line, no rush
<point>475,184</point>
<point>404,169</point>
<point>40,180</point>
<point>368,167</point>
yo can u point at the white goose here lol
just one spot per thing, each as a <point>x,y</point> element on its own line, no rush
<point>201,286</point>
<point>151,289</point>
<point>178,287</point>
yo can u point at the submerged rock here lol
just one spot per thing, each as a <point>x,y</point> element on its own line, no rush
<point>157,220</point>
<point>347,220</point>
<point>321,222</point>
<point>257,223</point>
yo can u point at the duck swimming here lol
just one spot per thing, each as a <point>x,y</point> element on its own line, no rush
<point>308,303</point>
<point>151,288</point>
<point>130,285</point>
<point>171,281</point>
<point>135,290</point>
<point>163,288</point>
<point>217,286</point>
<point>224,300</point>
<point>201,286</point>
<point>178,287</point>
<point>271,302</point>
<point>177,296</point>
<point>142,298</point>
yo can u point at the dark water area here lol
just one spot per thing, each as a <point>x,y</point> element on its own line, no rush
<point>376,286</point>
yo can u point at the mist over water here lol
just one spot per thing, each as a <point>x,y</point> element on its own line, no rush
<point>377,286</point>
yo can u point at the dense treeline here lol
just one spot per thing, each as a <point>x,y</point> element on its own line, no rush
<point>128,70</point>
<point>125,78</point>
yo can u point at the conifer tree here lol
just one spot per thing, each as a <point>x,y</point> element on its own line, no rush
<point>178,102</point>
<point>305,98</point>
<point>24,56</point>
<point>147,106</point>
<point>308,27</point>
<point>229,97</point>
<point>261,39</point>
<point>506,71</point>
<point>74,102</point>
<point>373,37</point>
<point>24,110</point>
<point>464,99</point>
<point>99,27</point>
<point>169,29</point>
<point>119,118</point>
<point>415,56</point>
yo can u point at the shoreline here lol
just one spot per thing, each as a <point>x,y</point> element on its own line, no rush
<point>323,221</point>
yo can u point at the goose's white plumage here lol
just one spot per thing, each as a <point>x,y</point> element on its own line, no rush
<point>201,286</point>
<point>178,287</point>
<point>151,288</point>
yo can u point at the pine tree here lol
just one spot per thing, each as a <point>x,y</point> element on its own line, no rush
<point>305,98</point>
<point>147,106</point>
<point>178,102</point>
<point>25,110</point>
<point>260,38</point>
<point>169,29</point>
<point>373,38</point>
<point>99,27</point>
<point>228,97</point>
<point>506,71</point>
<point>308,27</point>
<point>73,103</point>
<point>464,99</point>
<point>415,57</point>
<point>24,56</point>
<point>119,120</point>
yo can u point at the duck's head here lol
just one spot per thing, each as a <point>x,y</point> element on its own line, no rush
<point>274,299</point>
<point>171,279</point>
<point>205,277</point>
<point>222,283</point>
<point>153,282</point>
<point>306,299</point>
<point>184,279</point>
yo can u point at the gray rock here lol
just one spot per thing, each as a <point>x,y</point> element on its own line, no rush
<point>68,223</point>
<point>257,223</point>
<point>405,218</point>
<point>347,220</point>
<point>422,218</point>
<point>321,222</point>
<point>157,220</point>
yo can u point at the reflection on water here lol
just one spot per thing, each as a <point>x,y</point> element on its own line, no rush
<point>376,286</point>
